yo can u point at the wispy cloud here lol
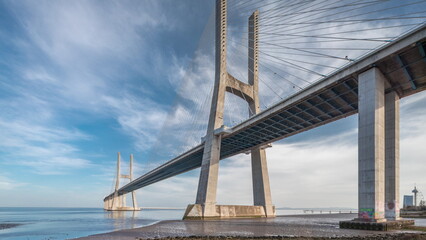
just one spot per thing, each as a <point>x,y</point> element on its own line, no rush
<point>46,149</point>
<point>82,51</point>
<point>140,121</point>
<point>8,184</point>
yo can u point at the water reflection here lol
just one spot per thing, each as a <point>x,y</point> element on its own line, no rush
<point>65,223</point>
<point>123,219</point>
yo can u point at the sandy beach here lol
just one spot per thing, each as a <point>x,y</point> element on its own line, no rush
<point>324,226</point>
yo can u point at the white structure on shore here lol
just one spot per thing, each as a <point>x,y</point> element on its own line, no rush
<point>117,202</point>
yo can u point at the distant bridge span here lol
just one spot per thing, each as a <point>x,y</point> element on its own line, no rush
<point>402,62</point>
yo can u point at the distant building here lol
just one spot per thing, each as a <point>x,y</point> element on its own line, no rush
<point>408,201</point>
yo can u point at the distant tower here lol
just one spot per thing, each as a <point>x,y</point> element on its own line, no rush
<point>117,202</point>
<point>415,191</point>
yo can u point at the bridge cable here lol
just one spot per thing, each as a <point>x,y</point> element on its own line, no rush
<point>285,16</point>
<point>261,80</point>
<point>264,65</point>
<point>346,17</point>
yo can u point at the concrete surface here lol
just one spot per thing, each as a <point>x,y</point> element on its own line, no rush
<point>377,226</point>
<point>392,204</point>
<point>259,167</point>
<point>207,185</point>
<point>195,211</point>
<point>371,141</point>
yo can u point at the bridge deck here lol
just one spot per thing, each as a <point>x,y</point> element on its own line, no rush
<point>403,62</point>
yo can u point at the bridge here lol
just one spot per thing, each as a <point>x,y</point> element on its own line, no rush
<point>370,86</point>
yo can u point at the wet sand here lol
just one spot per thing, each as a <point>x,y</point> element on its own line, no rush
<point>8,225</point>
<point>324,226</point>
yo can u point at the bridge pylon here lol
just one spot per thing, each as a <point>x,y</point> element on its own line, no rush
<point>117,202</point>
<point>205,205</point>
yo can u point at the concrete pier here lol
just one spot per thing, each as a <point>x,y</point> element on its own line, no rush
<point>260,175</point>
<point>207,185</point>
<point>392,205</point>
<point>261,187</point>
<point>378,156</point>
<point>371,142</point>
<point>205,205</point>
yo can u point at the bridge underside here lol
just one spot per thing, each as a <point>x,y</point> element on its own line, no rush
<point>403,63</point>
<point>405,72</point>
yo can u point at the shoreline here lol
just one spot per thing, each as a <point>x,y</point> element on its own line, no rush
<point>396,236</point>
<point>297,227</point>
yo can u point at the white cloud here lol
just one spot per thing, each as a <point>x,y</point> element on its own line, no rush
<point>82,50</point>
<point>44,148</point>
<point>140,117</point>
<point>8,184</point>
<point>112,29</point>
<point>55,165</point>
<point>38,133</point>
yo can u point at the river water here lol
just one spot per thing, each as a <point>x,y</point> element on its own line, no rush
<point>66,223</point>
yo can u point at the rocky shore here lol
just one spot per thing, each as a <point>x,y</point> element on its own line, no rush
<point>400,236</point>
<point>8,225</point>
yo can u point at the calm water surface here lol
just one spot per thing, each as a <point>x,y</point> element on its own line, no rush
<point>66,223</point>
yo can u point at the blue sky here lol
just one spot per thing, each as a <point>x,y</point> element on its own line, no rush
<point>83,80</point>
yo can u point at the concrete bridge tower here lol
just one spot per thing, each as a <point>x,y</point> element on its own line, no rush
<point>118,202</point>
<point>205,206</point>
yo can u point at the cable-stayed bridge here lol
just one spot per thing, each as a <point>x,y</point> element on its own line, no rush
<point>370,85</point>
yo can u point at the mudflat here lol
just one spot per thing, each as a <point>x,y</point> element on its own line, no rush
<point>318,227</point>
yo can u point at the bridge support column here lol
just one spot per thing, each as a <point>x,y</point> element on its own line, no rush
<point>392,156</point>
<point>207,185</point>
<point>115,201</point>
<point>205,206</point>
<point>261,188</point>
<point>371,146</point>
<point>378,156</point>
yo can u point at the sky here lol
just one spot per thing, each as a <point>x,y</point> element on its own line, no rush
<point>83,80</point>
